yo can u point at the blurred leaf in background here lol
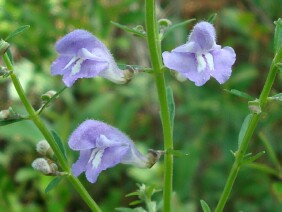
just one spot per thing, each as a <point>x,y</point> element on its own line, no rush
<point>207,119</point>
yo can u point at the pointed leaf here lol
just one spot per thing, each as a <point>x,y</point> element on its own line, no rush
<point>205,206</point>
<point>135,193</point>
<point>136,202</point>
<point>254,158</point>
<point>173,27</point>
<point>128,29</point>
<point>171,105</point>
<point>10,121</point>
<point>240,94</point>
<point>18,31</point>
<point>212,18</point>
<point>278,35</point>
<point>244,128</point>
<point>53,184</point>
<point>9,53</point>
<point>59,143</point>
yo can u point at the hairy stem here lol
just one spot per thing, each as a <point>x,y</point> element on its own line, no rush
<point>154,45</point>
<point>49,138</point>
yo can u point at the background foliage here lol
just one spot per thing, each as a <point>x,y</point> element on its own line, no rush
<point>207,119</point>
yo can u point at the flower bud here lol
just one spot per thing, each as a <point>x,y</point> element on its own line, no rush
<point>43,148</point>
<point>45,166</point>
<point>164,23</point>
<point>48,95</point>
<point>42,165</point>
<point>4,46</point>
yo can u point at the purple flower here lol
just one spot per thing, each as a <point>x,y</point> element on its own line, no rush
<point>101,147</point>
<point>82,55</point>
<point>200,58</point>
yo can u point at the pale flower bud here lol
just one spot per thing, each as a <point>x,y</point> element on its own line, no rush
<point>45,166</point>
<point>42,165</point>
<point>43,148</point>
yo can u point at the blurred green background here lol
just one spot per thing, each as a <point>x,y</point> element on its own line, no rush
<point>207,119</point>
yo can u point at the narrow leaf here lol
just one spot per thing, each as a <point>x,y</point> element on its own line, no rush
<point>53,184</point>
<point>135,193</point>
<point>240,94</point>
<point>136,202</point>
<point>18,31</point>
<point>254,158</point>
<point>171,105</point>
<point>173,27</point>
<point>278,35</point>
<point>9,53</point>
<point>59,143</point>
<point>244,128</point>
<point>10,121</point>
<point>212,18</point>
<point>128,29</point>
<point>205,206</point>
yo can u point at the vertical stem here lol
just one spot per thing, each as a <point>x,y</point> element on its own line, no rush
<point>154,42</point>
<point>249,133</point>
<point>49,138</point>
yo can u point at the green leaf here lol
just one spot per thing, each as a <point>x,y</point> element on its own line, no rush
<point>277,190</point>
<point>244,128</point>
<point>53,184</point>
<point>18,31</point>
<point>212,18</point>
<point>130,30</point>
<point>171,105</point>
<point>240,94</point>
<point>136,202</point>
<point>254,158</point>
<point>10,121</point>
<point>173,27</point>
<point>59,143</point>
<point>176,153</point>
<point>205,206</point>
<point>135,193</point>
<point>278,35</point>
<point>9,53</point>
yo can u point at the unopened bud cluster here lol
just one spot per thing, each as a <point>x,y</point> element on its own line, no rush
<point>44,164</point>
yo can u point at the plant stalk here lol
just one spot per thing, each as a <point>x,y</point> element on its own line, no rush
<point>49,138</point>
<point>154,45</point>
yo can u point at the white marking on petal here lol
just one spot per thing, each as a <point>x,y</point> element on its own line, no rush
<point>201,63</point>
<point>210,63</point>
<point>71,62</point>
<point>96,157</point>
<point>97,160</point>
<point>76,68</point>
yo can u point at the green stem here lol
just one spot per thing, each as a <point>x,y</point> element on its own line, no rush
<point>48,136</point>
<point>154,45</point>
<point>249,133</point>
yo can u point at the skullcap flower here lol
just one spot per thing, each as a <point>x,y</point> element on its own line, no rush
<point>101,147</point>
<point>82,55</point>
<point>201,58</point>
